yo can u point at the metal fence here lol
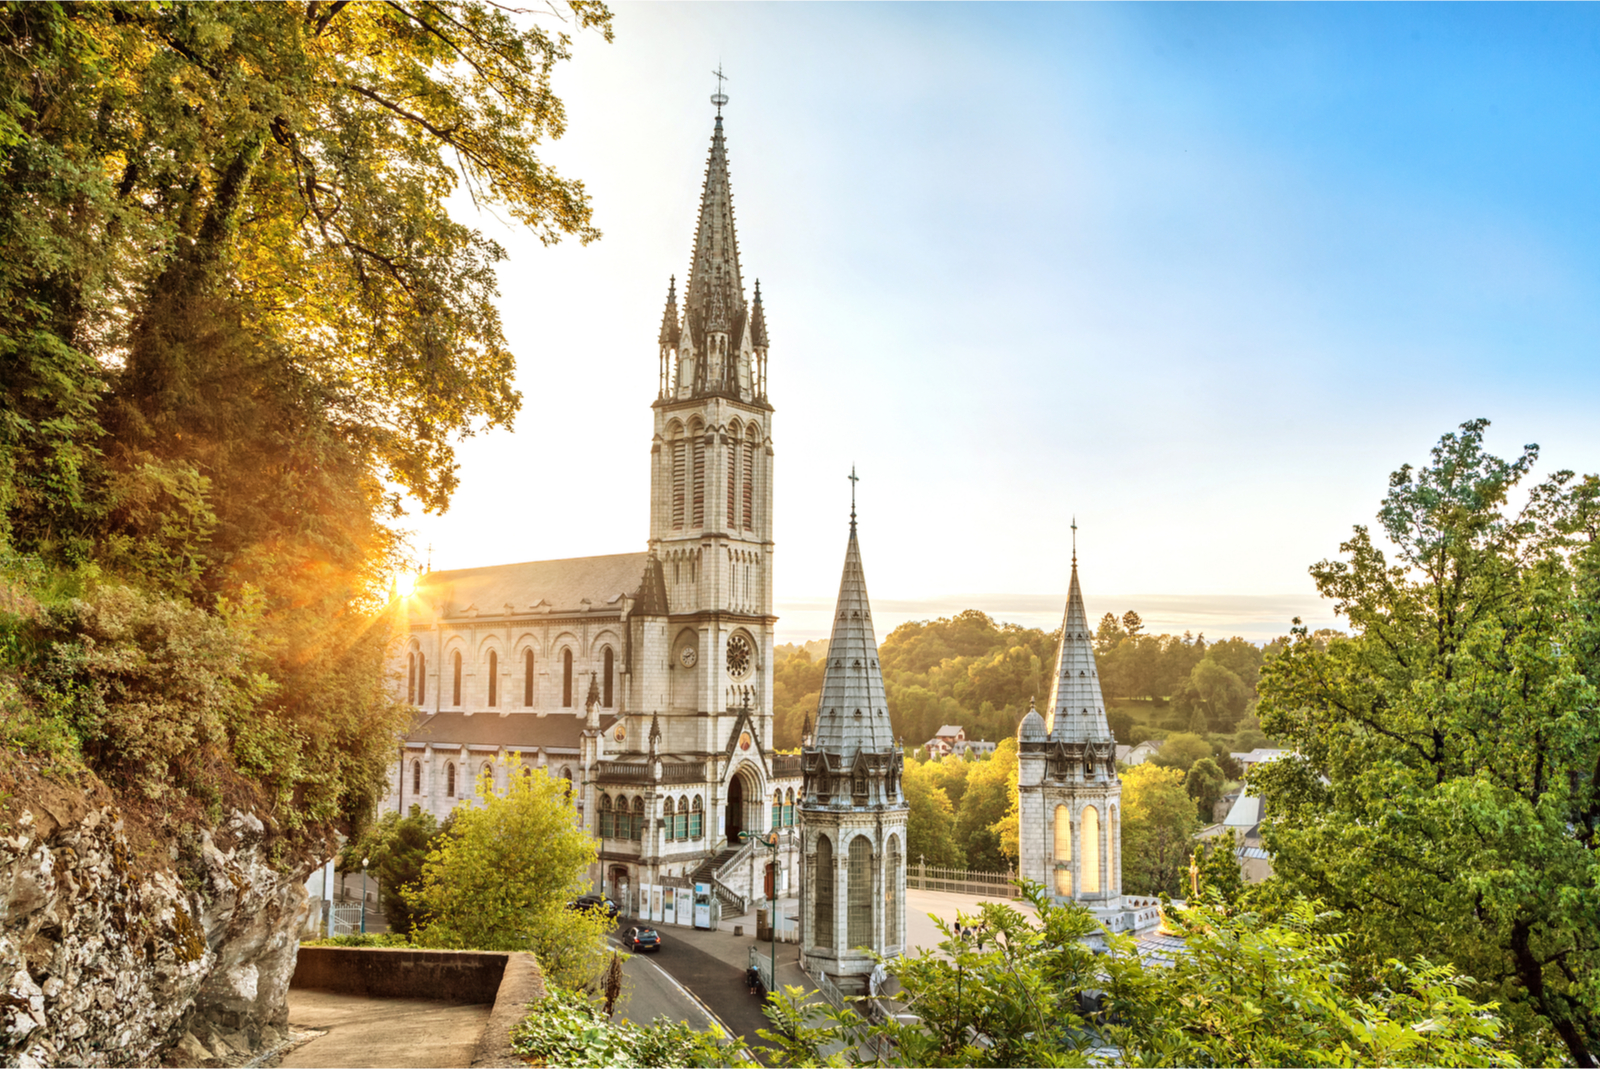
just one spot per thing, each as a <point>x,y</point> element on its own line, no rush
<point>962,881</point>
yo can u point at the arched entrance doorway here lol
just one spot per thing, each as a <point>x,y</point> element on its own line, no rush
<point>734,811</point>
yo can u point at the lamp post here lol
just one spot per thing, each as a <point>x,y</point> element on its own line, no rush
<point>967,937</point>
<point>770,841</point>
<point>363,896</point>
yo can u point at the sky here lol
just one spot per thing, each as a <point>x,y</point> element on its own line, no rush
<point>1199,276</point>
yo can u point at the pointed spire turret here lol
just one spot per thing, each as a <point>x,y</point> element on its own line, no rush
<point>852,714</point>
<point>758,322</point>
<point>713,296</point>
<point>1077,706</point>
<point>669,318</point>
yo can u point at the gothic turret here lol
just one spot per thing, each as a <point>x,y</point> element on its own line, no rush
<point>1077,707</point>
<point>852,715</point>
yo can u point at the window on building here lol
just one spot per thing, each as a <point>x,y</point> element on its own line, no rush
<point>777,810</point>
<point>788,808</point>
<point>566,774</point>
<point>859,892</point>
<point>609,663</point>
<point>680,474</point>
<point>605,816</point>
<point>733,476</point>
<point>891,896</point>
<point>858,787</point>
<point>697,457</point>
<point>416,777</point>
<point>1090,846</point>
<point>494,679</point>
<point>487,772</point>
<point>623,823</point>
<point>566,678</point>
<point>638,819</point>
<point>1063,851</point>
<point>449,779</point>
<point>749,478</point>
<point>422,678</point>
<point>683,819</point>
<point>696,819</point>
<point>455,688</point>
<point>1114,834</point>
<point>527,678</point>
<point>411,678</point>
<point>823,877</point>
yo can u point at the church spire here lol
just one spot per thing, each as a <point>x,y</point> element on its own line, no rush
<point>758,322</point>
<point>669,318</point>
<point>1077,706</point>
<point>713,296</point>
<point>852,714</point>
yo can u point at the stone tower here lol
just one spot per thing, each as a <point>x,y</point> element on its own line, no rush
<point>852,808</point>
<point>1069,794</point>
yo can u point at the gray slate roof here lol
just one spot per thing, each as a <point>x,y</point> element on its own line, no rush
<point>1077,708</point>
<point>562,585</point>
<point>559,732</point>
<point>853,714</point>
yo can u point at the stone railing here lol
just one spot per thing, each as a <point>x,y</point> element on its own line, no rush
<point>786,764</point>
<point>622,772</point>
<point>923,877</point>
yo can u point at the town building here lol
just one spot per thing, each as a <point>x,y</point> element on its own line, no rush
<point>1068,792</point>
<point>952,739</point>
<point>852,806</point>
<point>642,679</point>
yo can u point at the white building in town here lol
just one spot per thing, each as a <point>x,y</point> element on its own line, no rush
<point>644,679</point>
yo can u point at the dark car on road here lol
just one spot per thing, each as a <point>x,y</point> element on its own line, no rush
<point>642,939</point>
<point>594,901</point>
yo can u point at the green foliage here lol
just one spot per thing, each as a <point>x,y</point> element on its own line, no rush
<point>361,939</point>
<point>1446,792</point>
<point>395,849</point>
<point>990,797</point>
<point>1158,821</point>
<point>1219,873</point>
<point>931,822</point>
<point>565,1028</point>
<point>501,877</point>
<point>1181,751</point>
<point>1205,782</point>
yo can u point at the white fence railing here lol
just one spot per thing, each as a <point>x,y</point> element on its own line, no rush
<point>962,881</point>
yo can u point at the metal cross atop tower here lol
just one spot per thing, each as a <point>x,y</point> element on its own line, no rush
<point>719,98</point>
<point>1074,541</point>
<point>853,480</point>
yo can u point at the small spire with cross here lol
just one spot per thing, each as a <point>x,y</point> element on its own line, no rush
<point>719,98</point>
<point>853,480</point>
<point>1074,541</point>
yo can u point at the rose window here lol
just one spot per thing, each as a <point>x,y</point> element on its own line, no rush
<point>739,656</point>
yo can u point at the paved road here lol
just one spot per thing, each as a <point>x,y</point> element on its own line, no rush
<point>716,983</point>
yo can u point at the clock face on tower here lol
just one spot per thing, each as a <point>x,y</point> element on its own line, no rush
<point>686,656</point>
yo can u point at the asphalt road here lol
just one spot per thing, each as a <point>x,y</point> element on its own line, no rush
<point>717,984</point>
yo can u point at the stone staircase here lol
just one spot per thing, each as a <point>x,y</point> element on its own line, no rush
<point>710,871</point>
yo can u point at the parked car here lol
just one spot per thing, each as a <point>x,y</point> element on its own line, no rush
<point>595,901</point>
<point>642,939</point>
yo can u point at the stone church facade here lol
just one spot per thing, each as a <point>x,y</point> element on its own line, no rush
<point>643,679</point>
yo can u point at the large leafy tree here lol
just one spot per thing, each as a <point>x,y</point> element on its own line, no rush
<point>1158,819</point>
<point>1446,788</point>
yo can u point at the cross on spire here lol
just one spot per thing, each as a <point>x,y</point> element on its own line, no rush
<point>719,98</point>
<point>1074,541</point>
<point>853,480</point>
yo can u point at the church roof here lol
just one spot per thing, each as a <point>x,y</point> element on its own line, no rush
<point>713,296</point>
<point>559,732</point>
<point>560,585</point>
<point>852,714</point>
<point>1077,707</point>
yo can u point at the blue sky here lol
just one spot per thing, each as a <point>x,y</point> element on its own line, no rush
<point>1201,275</point>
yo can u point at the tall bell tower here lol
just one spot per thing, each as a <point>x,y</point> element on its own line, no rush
<point>711,477</point>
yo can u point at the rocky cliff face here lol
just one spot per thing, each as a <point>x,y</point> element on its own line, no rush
<point>107,960</point>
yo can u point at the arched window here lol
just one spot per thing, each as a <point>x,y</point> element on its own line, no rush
<point>416,777</point>
<point>891,900</point>
<point>788,808</point>
<point>494,679</point>
<point>455,689</point>
<point>1091,850</point>
<point>1114,833</point>
<point>411,678</point>
<point>751,434</point>
<point>683,819</point>
<point>1063,850</point>
<point>527,678</point>
<point>823,879</point>
<point>697,458</point>
<point>605,816</point>
<point>609,664</point>
<point>566,774</point>
<point>487,773</point>
<point>449,779</point>
<point>422,678</point>
<point>638,819</point>
<point>622,824</point>
<point>733,476</point>
<point>680,475</point>
<point>566,678</point>
<point>859,892</point>
<point>777,810</point>
<point>696,819</point>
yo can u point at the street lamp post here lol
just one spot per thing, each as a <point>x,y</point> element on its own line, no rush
<point>363,896</point>
<point>967,936</point>
<point>770,841</point>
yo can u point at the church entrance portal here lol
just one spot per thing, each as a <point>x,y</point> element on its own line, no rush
<point>735,809</point>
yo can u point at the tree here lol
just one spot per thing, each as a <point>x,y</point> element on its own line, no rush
<point>1218,863</point>
<point>502,877</point>
<point>1444,789</point>
<point>931,822</point>
<point>395,849</point>
<point>1204,782</point>
<point>1181,751</point>
<point>991,785</point>
<point>1158,819</point>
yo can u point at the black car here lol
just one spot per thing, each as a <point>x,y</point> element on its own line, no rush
<point>642,939</point>
<point>594,901</point>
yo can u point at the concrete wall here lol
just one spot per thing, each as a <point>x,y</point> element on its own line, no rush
<point>382,972</point>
